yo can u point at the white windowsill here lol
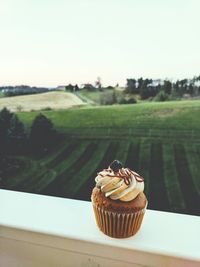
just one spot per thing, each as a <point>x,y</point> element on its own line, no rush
<point>38,230</point>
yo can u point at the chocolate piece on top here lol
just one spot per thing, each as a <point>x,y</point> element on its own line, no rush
<point>116,165</point>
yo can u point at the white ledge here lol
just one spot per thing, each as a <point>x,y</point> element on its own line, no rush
<point>38,230</point>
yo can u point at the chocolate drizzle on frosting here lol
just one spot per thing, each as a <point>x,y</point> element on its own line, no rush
<point>124,173</point>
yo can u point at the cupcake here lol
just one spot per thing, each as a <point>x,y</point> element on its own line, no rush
<point>118,201</point>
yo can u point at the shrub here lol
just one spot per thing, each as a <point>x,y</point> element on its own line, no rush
<point>19,108</point>
<point>108,98</point>
<point>46,109</point>
<point>161,96</point>
<point>131,101</point>
<point>115,97</point>
<point>128,101</point>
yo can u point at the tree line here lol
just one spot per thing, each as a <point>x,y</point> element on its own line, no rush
<point>22,90</point>
<point>147,88</point>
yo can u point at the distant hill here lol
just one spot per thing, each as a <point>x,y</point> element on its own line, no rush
<point>50,100</point>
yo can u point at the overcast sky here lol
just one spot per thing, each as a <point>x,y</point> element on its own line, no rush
<point>56,42</point>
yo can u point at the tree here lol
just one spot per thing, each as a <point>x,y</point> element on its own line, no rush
<point>69,87</point>
<point>12,133</point>
<point>16,135</point>
<point>183,86</point>
<point>43,135</point>
<point>167,87</point>
<point>5,124</point>
<point>175,87</point>
<point>191,89</point>
<point>178,88</point>
<point>76,88</point>
<point>144,90</point>
<point>131,86</point>
<point>89,87</point>
<point>12,140</point>
<point>140,82</point>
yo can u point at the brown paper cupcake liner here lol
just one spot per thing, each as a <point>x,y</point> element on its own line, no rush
<point>119,225</point>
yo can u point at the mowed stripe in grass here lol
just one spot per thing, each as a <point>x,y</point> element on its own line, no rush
<point>78,184</point>
<point>63,167</point>
<point>157,198</point>
<point>32,179</point>
<point>144,163</point>
<point>67,162</point>
<point>193,160</point>
<point>172,185</point>
<point>132,160</point>
<point>198,151</point>
<point>63,155</point>
<point>54,151</point>
<point>186,182</point>
<point>16,182</point>
<point>60,188</point>
<point>108,155</point>
<point>37,170</point>
<point>43,168</point>
<point>42,181</point>
<point>122,152</point>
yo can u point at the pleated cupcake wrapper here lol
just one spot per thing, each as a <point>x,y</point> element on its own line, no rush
<point>119,225</point>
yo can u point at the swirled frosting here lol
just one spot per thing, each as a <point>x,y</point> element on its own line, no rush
<point>123,184</point>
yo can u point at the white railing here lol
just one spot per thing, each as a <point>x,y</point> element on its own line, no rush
<point>43,231</point>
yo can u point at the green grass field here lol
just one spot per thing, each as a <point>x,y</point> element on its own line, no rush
<point>161,141</point>
<point>176,115</point>
<point>1,94</point>
<point>93,96</point>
